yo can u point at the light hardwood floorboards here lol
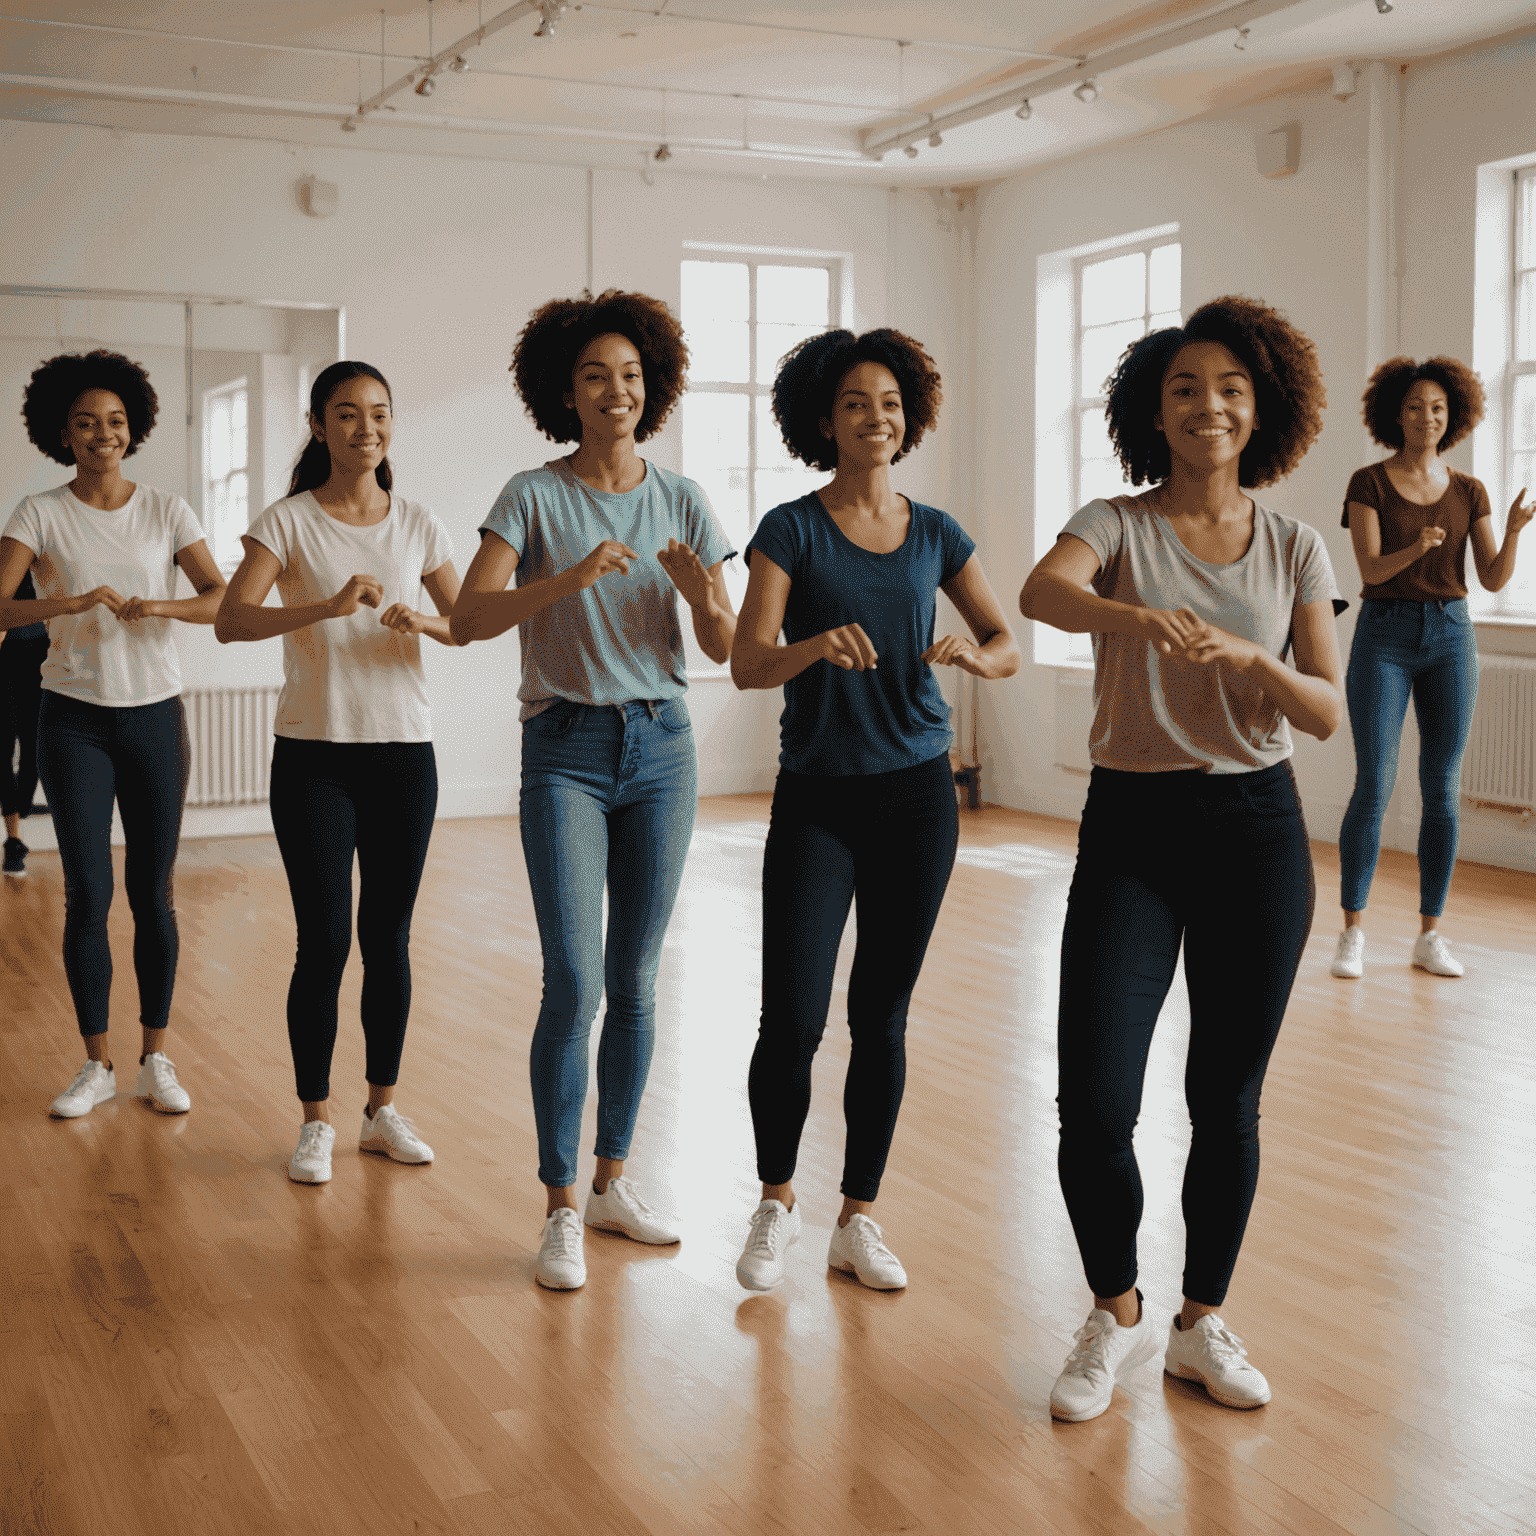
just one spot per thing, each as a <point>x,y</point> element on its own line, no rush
<point>191,1343</point>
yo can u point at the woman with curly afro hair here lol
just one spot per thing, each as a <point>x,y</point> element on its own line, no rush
<point>1411,518</point>
<point>103,553</point>
<point>864,807</point>
<point>1192,834</point>
<point>602,543</point>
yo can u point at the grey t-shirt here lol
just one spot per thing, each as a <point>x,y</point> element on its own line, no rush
<point>1158,714</point>
<point>620,638</point>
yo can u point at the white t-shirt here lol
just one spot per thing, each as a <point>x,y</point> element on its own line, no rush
<point>352,679</point>
<point>91,656</point>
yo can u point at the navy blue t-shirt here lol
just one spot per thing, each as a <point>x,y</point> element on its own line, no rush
<point>836,722</point>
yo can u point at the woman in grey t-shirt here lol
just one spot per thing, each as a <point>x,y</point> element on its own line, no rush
<point>1192,834</point>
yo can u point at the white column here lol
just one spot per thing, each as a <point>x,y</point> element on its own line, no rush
<point>1383,131</point>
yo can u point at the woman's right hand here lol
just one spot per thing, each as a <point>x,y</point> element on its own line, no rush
<point>1429,538</point>
<point>610,555</point>
<point>359,592</point>
<point>106,596</point>
<point>1171,629</point>
<point>848,647</point>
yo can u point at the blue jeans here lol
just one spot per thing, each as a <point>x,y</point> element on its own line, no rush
<point>608,796</point>
<point>1428,650</point>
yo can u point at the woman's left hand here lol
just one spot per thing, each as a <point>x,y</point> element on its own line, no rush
<point>1519,513</point>
<point>141,608</point>
<point>689,574</point>
<point>403,620</point>
<point>952,651</point>
<point>1217,645</point>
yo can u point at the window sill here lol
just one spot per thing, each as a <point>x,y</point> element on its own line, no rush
<point>1504,620</point>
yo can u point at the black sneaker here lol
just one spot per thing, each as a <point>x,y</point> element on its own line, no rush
<point>16,853</point>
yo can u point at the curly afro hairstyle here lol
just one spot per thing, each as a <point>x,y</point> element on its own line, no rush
<point>57,384</point>
<point>1389,386</point>
<point>544,359</point>
<point>1287,386</point>
<point>809,374</point>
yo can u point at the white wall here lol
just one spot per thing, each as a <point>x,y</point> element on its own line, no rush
<point>1298,243</point>
<point>437,263</point>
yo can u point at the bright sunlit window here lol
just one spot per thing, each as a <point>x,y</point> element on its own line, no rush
<point>741,316</point>
<point>1520,422</point>
<point>226,470</point>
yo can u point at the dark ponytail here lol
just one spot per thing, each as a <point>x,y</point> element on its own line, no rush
<point>314,466</point>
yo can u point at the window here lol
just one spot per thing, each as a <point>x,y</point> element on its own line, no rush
<point>226,471</point>
<point>1520,421</point>
<point>741,316</point>
<point>1121,295</point>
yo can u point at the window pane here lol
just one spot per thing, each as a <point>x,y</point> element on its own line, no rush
<point>239,492</point>
<point>1164,278</point>
<point>1115,289</point>
<point>1523,417</point>
<point>773,341</point>
<point>718,351</point>
<point>1525,323</point>
<point>793,295</point>
<point>1093,436</point>
<point>1527,254</point>
<point>1163,321</point>
<point>715,454</point>
<point>237,434</point>
<point>1102,347</point>
<point>771,452</point>
<point>714,290</point>
<point>218,436</point>
<point>1100,477</point>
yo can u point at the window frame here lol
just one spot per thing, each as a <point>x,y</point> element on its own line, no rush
<point>227,390</point>
<point>1509,604</point>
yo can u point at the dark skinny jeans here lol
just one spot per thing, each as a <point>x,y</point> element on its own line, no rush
<point>331,799</point>
<point>87,756</point>
<point>21,696</point>
<point>887,841</point>
<point>1221,863</point>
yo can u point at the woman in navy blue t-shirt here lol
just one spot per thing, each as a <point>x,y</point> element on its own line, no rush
<point>864,807</point>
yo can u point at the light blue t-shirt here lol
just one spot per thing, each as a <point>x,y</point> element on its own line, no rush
<point>620,639</point>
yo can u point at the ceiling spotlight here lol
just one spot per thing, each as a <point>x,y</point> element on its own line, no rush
<point>1242,38</point>
<point>663,154</point>
<point>910,151</point>
<point>1087,91</point>
<point>460,65</point>
<point>1382,7</point>
<point>551,11</point>
<point>1024,111</point>
<point>935,139</point>
<point>426,85</point>
<point>348,126</point>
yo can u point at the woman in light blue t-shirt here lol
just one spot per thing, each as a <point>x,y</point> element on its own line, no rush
<point>601,543</point>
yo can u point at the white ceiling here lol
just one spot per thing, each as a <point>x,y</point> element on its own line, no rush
<point>795,87</point>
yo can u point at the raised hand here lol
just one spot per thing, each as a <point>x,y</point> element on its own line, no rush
<point>110,600</point>
<point>1430,538</point>
<point>1519,513</point>
<point>138,608</point>
<point>689,574</point>
<point>610,555</point>
<point>359,592</point>
<point>848,648</point>
<point>1172,630</point>
<point>951,651</point>
<point>403,620</point>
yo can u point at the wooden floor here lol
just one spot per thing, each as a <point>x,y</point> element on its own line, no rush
<point>190,1343</point>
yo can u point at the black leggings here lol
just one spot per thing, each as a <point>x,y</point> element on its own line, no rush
<point>87,755</point>
<point>21,695</point>
<point>1220,861</point>
<point>888,841</point>
<point>329,800</point>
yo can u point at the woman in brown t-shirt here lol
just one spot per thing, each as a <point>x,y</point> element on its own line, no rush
<point>1411,518</point>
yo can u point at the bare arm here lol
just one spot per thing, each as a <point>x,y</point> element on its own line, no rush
<point>1365,534</point>
<point>1496,565</point>
<point>206,582</point>
<point>757,658</point>
<point>486,609</point>
<point>242,615</point>
<point>443,588</point>
<point>15,561</point>
<point>714,620</point>
<point>996,653</point>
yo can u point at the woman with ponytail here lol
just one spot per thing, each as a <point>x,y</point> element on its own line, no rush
<point>353,769</point>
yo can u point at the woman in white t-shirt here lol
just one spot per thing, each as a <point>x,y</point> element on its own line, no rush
<point>353,770</point>
<point>103,553</point>
<point>1193,834</point>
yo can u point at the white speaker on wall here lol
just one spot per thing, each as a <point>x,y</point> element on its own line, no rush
<point>1280,152</point>
<point>319,199</point>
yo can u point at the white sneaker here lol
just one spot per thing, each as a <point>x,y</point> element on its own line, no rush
<point>620,1209</point>
<point>1348,958</point>
<point>1104,1351</point>
<point>561,1266</point>
<point>774,1230</point>
<point>311,1161</point>
<point>388,1131</point>
<point>857,1249</point>
<point>1431,953</point>
<point>94,1084</point>
<point>1213,1355</point>
<point>157,1083</point>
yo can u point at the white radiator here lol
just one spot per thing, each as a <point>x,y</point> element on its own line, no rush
<point>1500,763</point>
<point>231,734</point>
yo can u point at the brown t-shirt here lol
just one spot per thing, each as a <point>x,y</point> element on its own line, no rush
<point>1439,575</point>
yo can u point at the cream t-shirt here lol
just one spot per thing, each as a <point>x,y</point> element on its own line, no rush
<point>92,656</point>
<point>351,679</point>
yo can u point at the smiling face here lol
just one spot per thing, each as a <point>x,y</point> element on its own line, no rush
<point>1425,414</point>
<point>867,422</point>
<point>357,427</point>
<point>608,389</point>
<point>96,431</point>
<point>1208,411</point>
